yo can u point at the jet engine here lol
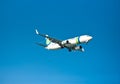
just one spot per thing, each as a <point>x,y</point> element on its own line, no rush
<point>79,48</point>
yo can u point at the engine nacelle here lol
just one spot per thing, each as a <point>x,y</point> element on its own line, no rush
<point>79,48</point>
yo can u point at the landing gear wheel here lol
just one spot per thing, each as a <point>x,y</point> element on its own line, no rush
<point>80,47</point>
<point>69,50</point>
<point>67,42</point>
<point>62,47</point>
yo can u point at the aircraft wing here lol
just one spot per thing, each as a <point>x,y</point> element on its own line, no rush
<point>54,40</point>
<point>50,38</point>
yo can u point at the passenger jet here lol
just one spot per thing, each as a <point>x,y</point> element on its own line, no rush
<point>72,44</point>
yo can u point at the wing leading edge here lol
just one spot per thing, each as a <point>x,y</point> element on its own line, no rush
<point>54,40</point>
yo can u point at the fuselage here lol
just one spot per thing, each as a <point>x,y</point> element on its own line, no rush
<point>70,42</point>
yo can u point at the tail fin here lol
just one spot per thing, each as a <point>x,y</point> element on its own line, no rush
<point>47,41</point>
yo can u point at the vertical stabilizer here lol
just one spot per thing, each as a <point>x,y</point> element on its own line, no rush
<point>47,41</point>
<point>43,35</point>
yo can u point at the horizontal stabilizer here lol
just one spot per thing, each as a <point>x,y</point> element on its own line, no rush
<point>40,44</point>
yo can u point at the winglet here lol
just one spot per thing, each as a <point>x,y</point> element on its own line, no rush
<point>36,31</point>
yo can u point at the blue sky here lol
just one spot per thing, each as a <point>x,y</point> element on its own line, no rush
<point>23,62</point>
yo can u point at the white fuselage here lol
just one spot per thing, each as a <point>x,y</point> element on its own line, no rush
<point>70,42</point>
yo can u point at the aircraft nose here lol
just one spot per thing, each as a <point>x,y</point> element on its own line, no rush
<point>90,37</point>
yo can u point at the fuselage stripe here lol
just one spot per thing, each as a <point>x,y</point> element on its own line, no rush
<point>77,40</point>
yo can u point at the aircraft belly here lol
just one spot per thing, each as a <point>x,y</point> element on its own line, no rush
<point>53,46</point>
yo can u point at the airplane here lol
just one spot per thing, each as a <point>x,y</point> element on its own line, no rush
<point>72,44</point>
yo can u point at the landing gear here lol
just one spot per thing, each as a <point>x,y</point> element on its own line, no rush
<point>62,47</point>
<point>67,42</point>
<point>69,50</point>
<point>80,47</point>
